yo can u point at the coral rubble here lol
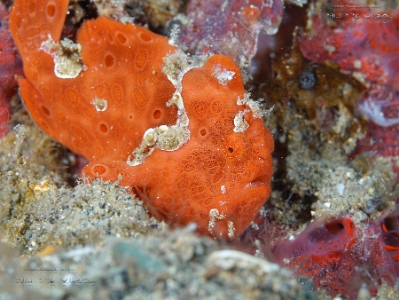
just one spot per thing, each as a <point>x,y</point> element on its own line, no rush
<point>363,42</point>
<point>38,209</point>
<point>344,248</point>
<point>177,265</point>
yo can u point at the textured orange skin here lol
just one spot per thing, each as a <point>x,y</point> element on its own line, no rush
<point>216,169</point>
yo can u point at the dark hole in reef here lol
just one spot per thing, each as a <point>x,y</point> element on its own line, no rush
<point>278,44</point>
<point>391,239</point>
<point>326,232</point>
<point>391,223</point>
<point>335,227</point>
<point>74,18</point>
<point>203,132</point>
<point>230,149</point>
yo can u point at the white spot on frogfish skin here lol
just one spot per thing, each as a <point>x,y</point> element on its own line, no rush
<point>223,189</point>
<point>222,75</point>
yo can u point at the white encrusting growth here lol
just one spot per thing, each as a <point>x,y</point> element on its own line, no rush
<point>66,55</point>
<point>100,104</point>
<point>253,105</point>
<point>214,216</point>
<point>239,122</point>
<point>169,138</point>
<point>230,229</point>
<point>222,75</point>
<point>241,125</point>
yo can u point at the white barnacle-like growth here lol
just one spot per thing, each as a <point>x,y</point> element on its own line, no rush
<point>230,229</point>
<point>240,124</point>
<point>253,105</point>
<point>214,216</point>
<point>223,189</point>
<point>250,106</point>
<point>100,104</point>
<point>222,75</point>
<point>169,138</point>
<point>66,55</point>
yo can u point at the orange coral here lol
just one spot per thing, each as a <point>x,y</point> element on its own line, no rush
<point>179,132</point>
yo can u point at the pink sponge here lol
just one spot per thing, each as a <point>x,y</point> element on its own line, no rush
<point>340,257</point>
<point>317,240</point>
<point>10,66</point>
